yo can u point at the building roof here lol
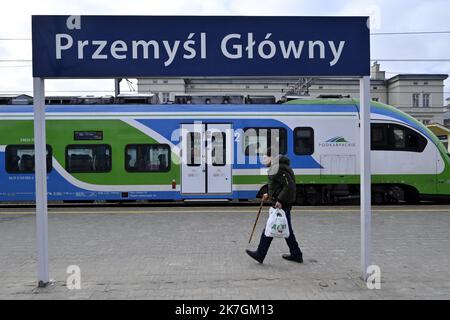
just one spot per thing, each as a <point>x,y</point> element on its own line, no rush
<point>12,95</point>
<point>418,76</point>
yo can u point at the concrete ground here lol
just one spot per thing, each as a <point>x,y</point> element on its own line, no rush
<point>199,253</point>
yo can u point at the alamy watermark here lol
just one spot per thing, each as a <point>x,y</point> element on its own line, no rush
<point>73,281</point>
<point>373,281</point>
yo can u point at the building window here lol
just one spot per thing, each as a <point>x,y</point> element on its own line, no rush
<point>247,87</point>
<point>426,122</point>
<point>375,88</point>
<point>155,81</point>
<point>375,99</point>
<point>426,100</point>
<point>165,97</point>
<point>147,158</point>
<point>88,158</point>
<point>20,158</point>
<point>304,141</point>
<point>258,140</point>
<point>266,87</point>
<point>165,81</point>
<point>415,100</point>
<point>394,137</point>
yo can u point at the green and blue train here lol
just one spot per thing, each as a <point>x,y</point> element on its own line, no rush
<point>180,152</point>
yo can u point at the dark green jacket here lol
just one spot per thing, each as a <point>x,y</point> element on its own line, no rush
<point>282,186</point>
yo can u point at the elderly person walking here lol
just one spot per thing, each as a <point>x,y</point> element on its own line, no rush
<point>282,194</point>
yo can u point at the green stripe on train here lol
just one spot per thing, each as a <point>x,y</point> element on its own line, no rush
<point>116,133</point>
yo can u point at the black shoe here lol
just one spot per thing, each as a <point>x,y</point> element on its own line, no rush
<point>292,258</point>
<point>255,256</point>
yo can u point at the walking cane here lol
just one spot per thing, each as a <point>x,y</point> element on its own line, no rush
<point>256,221</point>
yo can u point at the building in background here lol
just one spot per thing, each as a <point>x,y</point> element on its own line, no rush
<point>446,115</point>
<point>420,95</point>
<point>15,99</point>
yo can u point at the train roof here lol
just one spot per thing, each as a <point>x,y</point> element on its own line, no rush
<point>175,108</point>
<point>316,105</point>
<point>302,105</point>
<point>330,106</point>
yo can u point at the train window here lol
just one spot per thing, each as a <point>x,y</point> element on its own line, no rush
<point>218,152</point>
<point>394,137</point>
<point>194,149</point>
<point>399,138</point>
<point>20,158</point>
<point>379,137</point>
<point>304,141</point>
<point>89,158</point>
<point>251,144</point>
<point>147,158</point>
<point>258,140</point>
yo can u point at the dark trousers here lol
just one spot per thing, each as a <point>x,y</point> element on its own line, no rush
<point>265,242</point>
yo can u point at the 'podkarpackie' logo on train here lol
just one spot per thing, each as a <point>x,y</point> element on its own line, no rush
<point>337,142</point>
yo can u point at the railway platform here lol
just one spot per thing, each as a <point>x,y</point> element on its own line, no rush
<point>199,253</point>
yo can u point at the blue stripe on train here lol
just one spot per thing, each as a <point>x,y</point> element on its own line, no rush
<point>168,127</point>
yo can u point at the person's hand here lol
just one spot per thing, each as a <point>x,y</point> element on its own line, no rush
<point>278,205</point>
<point>265,197</point>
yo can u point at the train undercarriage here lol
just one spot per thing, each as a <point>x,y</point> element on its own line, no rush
<point>382,194</point>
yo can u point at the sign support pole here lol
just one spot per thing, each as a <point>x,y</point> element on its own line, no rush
<point>366,233</point>
<point>50,37</point>
<point>41,181</point>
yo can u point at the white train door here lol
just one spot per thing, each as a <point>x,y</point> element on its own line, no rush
<point>219,155</point>
<point>207,151</point>
<point>193,164</point>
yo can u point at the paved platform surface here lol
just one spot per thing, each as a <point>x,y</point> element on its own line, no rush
<point>199,253</point>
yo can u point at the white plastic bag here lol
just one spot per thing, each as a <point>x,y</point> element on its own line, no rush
<point>277,224</point>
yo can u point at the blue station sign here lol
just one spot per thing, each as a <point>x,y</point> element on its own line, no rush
<point>199,46</point>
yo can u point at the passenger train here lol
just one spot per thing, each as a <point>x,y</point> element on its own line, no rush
<point>213,152</point>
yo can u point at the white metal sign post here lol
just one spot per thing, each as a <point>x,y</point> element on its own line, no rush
<point>365,176</point>
<point>219,46</point>
<point>41,180</point>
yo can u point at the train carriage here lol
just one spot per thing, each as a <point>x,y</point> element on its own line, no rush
<point>179,152</point>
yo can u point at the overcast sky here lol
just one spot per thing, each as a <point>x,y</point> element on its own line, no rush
<point>386,16</point>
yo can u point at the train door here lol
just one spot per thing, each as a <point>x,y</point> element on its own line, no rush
<point>219,155</point>
<point>193,164</point>
<point>207,151</point>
